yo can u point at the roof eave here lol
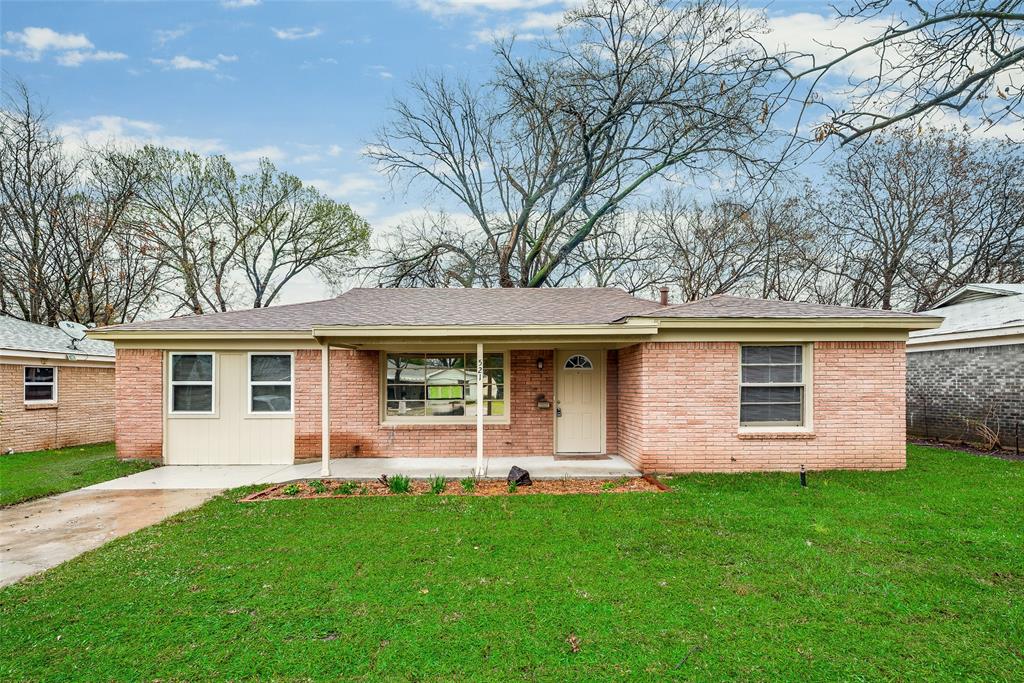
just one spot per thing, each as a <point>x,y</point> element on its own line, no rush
<point>854,322</point>
<point>144,334</point>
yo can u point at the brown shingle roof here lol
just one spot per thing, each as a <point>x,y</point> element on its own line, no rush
<point>546,306</point>
<point>727,306</point>
<point>515,307</point>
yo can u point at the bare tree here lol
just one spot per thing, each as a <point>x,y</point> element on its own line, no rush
<point>68,249</point>
<point>430,251</point>
<point>958,56</point>
<point>914,215</point>
<point>628,91</point>
<point>284,228</point>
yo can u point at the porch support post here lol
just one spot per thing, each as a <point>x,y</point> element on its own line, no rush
<point>479,409</point>
<point>325,411</point>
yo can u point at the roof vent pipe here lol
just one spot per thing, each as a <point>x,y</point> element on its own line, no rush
<point>664,296</point>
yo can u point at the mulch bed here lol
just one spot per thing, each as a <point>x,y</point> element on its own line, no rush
<point>307,488</point>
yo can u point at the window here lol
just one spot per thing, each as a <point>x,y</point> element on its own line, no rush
<point>270,382</point>
<point>191,382</point>
<point>40,384</point>
<point>578,363</point>
<point>772,386</point>
<point>441,387</point>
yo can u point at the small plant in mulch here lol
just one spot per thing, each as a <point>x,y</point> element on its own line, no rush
<point>318,486</point>
<point>291,490</point>
<point>396,483</point>
<point>612,485</point>
<point>468,484</point>
<point>347,488</point>
<point>513,487</point>
<point>437,484</point>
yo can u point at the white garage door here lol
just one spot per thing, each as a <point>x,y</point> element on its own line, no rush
<point>215,419</point>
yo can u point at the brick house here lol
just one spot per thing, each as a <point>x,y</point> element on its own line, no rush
<point>969,371</point>
<point>53,395</point>
<point>721,384</point>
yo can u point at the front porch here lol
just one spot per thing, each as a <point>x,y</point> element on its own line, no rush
<point>355,469</point>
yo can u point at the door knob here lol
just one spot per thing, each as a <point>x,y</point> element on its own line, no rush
<point>558,412</point>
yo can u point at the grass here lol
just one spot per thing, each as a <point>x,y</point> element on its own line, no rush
<point>24,476</point>
<point>912,575</point>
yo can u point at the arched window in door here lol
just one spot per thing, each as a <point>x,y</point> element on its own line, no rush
<point>578,362</point>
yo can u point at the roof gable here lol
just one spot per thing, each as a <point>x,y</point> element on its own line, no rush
<point>979,291</point>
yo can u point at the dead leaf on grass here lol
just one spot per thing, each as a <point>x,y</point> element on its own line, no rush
<point>574,642</point>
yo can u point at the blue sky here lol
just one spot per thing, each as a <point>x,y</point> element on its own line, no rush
<point>305,84</point>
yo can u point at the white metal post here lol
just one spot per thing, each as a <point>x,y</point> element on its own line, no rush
<point>325,412</point>
<point>479,410</point>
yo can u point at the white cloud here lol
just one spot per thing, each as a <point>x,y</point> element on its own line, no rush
<point>97,131</point>
<point>164,36</point>
<point>40,39</point>
<point>183,63</point>
<point>247,160</point>
<point>382,71</point>
<point>542,21</point>
<point>490,35</point>
<point>449,7</point>
<point>79,57</point>
<point>348,184</point>
<point>71,49</point>
<point>825,38</point>
<point>335,150</point>
<point>238,4</point>
<point>296,33</point>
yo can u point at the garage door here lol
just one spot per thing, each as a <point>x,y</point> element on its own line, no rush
<point>211,418</point>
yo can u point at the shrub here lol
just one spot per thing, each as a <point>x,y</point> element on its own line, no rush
<point>399,483</point>
<point>437,484</point>
<point>347,488</point>
<point>318,486</point>
<point>291,490</point>
<point>468,484</point>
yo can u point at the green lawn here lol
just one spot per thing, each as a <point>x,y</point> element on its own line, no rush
<point>913,575</point>
<point>24,476</point>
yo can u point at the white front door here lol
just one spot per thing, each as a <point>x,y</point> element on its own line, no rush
<point>579,394</point>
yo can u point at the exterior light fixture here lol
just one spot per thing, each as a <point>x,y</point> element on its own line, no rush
<point>540,363</point>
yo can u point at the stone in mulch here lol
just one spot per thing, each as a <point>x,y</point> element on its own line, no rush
<point>328,488</point>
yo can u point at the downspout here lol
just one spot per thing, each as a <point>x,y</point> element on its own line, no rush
<point>479,409</point>
<point>325,411</point>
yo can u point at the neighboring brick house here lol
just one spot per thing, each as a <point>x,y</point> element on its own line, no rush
<point>721,384</point>
<point>53,395</point>
<point>966,376</point>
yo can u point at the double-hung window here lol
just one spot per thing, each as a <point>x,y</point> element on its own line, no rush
<point>40,384</point>
<point>270,383</point>
<point>192,382</point>
<point>441,387</point>
<point>772,388</point>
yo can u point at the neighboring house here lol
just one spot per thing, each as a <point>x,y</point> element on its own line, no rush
<point>722,384</point>
<point>53,395</point>
<point>969,371</point>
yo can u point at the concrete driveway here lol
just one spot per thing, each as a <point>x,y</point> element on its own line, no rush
<point>43,533</point>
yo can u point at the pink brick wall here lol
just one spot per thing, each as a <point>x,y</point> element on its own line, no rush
<point>355,418</point>
<point>679,410</point>
<point>612,403</point>
<point>83,413</point>
<point>307,403</point>
<point>139,405</point>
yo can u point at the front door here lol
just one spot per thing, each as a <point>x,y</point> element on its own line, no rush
<point>579,394</point>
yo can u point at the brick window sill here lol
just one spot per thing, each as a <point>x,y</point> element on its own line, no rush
<point>463,427</point>
<point>40,406</point>
<point>776,436</point>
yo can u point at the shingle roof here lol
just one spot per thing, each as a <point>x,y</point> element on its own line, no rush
<point>18,335</point>
<point>979,317</point>
<point>727,306</point>
<point>547,306</point>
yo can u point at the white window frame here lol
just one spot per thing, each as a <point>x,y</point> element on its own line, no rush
<point>25,384</point>
<point>249,383</point>
<point>382,388</point>
<point>171,383</point>
<point>807,403</point>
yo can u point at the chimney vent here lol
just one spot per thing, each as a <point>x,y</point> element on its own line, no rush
<point>664,296</point>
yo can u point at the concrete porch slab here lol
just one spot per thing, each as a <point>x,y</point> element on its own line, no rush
<point>218,477</point>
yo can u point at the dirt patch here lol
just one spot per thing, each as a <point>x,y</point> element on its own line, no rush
<point>968,448</point>
<point>329,488</point>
